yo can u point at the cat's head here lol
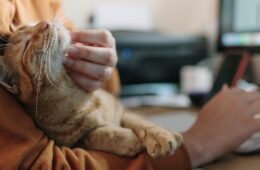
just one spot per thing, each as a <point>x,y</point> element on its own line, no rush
<point>34,55</point>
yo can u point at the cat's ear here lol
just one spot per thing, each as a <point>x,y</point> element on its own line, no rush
<point>5,79</point>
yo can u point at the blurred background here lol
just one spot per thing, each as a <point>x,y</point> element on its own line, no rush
<point>173,16</point>
<point>177,53</point>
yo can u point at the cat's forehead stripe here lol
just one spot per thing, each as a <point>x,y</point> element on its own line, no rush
<point>20,35</point>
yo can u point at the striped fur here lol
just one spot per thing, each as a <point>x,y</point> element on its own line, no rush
<point>33,62</point>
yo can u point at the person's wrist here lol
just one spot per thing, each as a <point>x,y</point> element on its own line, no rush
<point>197,148</point>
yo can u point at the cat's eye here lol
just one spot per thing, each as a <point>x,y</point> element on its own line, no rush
<point>26,45</point>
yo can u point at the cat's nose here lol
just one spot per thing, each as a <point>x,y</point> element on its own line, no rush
<point>44,25</point>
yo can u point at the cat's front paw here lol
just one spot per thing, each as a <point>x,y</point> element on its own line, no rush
<point>160,142</point>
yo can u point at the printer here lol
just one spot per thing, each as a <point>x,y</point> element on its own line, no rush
<point>152,57</point>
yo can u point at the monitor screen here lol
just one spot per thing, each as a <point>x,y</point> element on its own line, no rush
<point>239,25</point>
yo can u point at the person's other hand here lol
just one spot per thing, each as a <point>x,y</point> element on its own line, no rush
<point>223,124</point>
<point>91,58</point>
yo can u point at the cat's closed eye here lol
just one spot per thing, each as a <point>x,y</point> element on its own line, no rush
<point>26,45</point>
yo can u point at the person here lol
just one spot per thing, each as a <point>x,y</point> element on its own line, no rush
<point>223,124</point>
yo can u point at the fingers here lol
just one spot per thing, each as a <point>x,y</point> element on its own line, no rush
<point>97,37</point>
<point>105,56</point>
<point>257,121</point>
<point>91,70</point>
<point>251,97</point>
<point>231,91</point>
<point>254,107</point>
<point>225,87</point>
<point>245,96</point>
<point>236,90</point>
<point>257,116</point>
<point>84,82</point>
<point>92,58</point>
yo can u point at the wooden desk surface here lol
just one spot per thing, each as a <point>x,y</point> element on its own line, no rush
<point>228,162</point>
<point>236,162</point>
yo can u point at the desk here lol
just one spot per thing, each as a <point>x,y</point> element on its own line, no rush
<point>229,162</point>
<point>236,162</point>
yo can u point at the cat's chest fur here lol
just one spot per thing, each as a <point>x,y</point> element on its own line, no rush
<point>68,115</point>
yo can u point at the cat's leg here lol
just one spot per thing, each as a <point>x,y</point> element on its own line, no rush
<point>113,139</point>
<point>158,141</point>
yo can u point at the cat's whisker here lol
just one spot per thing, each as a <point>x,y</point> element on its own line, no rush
<point>3,38</point>
<point>53,79</point>
<point>9,43</point>
<point>44,54</point>
<point>5,45</point>
<point>38,92</point>
<point>47,68</point>
<point>61,17</point>
<point>48,71</point>
<point>38,78</point>
<point>58,14</point>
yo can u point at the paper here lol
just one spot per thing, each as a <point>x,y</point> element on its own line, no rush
<point>175,101</point>
<point>178,121</point>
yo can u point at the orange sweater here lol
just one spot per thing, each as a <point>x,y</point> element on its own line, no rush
<point>24,146</point>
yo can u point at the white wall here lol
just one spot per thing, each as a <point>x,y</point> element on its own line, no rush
<point>175,16</point>
<point>80,11</point>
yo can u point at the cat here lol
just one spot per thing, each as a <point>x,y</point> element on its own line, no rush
<point>32,69</point>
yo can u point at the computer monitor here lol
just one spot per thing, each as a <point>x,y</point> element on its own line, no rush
<point>239,25</point>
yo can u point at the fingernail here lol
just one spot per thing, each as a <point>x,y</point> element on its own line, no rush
<point>69,62</point>
<point>109,72</point>
<point>73,51</point>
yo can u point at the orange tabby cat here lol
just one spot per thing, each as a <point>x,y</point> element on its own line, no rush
<point>32,68</point>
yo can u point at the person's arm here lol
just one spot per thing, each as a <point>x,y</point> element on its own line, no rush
<point>223,124</point>
<point>23,146</point>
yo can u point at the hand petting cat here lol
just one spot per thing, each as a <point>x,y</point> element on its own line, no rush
<point>91,58</point>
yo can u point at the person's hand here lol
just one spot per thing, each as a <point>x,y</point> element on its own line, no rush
<point>223,124</point>
<point>91,58</point>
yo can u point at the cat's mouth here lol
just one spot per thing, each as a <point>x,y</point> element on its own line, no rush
<point>61,33</point>
<point>54,39</point>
